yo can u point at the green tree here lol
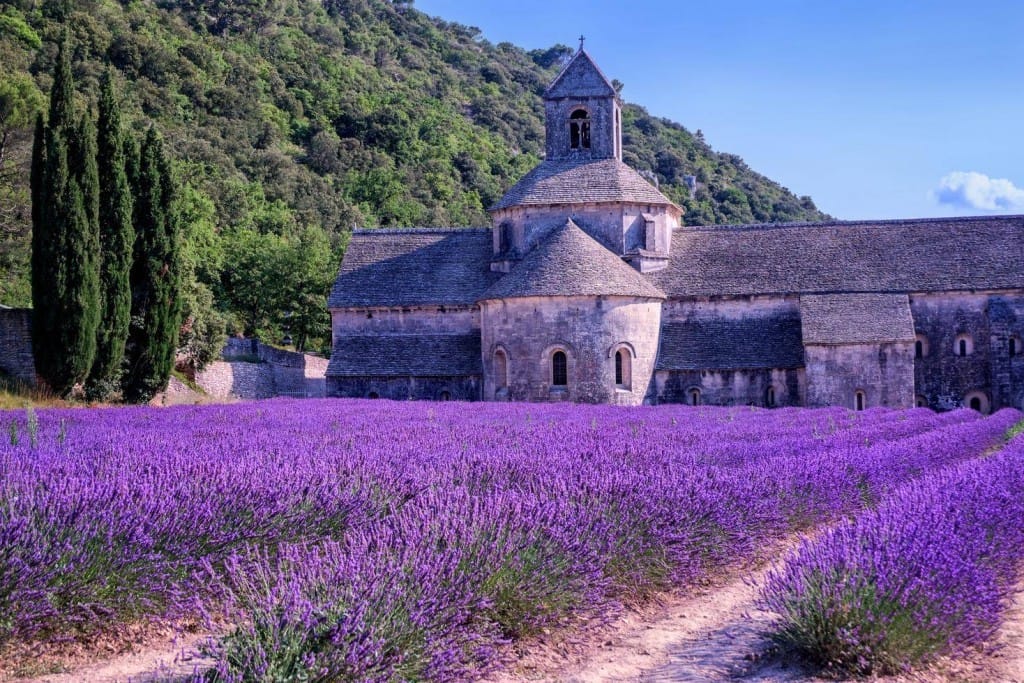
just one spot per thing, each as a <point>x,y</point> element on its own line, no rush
<point>155,276</point>
<point>117,236</point>
<point>65,273</point>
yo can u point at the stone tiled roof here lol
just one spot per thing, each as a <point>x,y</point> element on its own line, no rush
<point>570,181</point>
<point>433,355</point>
<point>856,318</point>
<point>414,267</point>
<point>924,255</point>
<point>724,344</point>
<point>569,262</point>
<point>580,78</point>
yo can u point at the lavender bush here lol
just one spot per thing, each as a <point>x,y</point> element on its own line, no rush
<point>386,541</point>
<point>928,572</point>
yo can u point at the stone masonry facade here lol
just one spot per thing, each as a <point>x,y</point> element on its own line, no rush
<point>588,287</point>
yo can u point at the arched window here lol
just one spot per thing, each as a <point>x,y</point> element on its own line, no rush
<point>858,400</point>
<point>559,369</point>
<point>694,396</point>
<point>500,369</point>
<point>579,130</point>
<point>623,369</point>
<point>964,345</point>
<point>920,346</point>
<point>769,399</point>
<point>977,400</point>
<point>445,396</point>
<point>1014,346</point>
<point>920,401</point>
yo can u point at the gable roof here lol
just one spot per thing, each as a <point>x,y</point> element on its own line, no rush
<point>414,267</point>
<point>725,344</point>
<point>569,262</point>
<point>923,255</point>
<point>856,318</point>
<point>572,181</point>
<point>580,78</point>
<point>425,355</point>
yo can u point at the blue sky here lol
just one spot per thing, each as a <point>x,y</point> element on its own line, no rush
<point>876,109</point>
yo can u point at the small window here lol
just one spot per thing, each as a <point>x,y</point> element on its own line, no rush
<point>623,369</point>
<point>559,369</point>
<point>920,401</point>
<point>373,394</point>
<point>978,401</point>
<point>445,396</point>
<point>504,237</point>
<point>579,130</point>
<point>920,346</point>
<point>694,397</point>
<point>964,345</point>
<point>769,399</point>
<point>858,400</point>
<point>1014,346</point>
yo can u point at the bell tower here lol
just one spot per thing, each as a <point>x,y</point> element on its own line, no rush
<point>582,112</point>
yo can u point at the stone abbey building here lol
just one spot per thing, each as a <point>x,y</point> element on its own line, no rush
<point>588,288</point>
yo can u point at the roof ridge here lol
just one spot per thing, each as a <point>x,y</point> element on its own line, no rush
<point>416,231</point>
<point>726,227</point>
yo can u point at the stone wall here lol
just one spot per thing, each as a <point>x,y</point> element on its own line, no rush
<point>944,379</point>
<point>252,370</point>
<point>406,388</point>
<point>16,344</point>
<point>588,329</point>
<point>603,113</point>
<point>732,387</point>
<point>883,372</point>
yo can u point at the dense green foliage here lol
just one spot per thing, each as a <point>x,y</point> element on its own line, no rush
<point>117,239</point>
<point>65,267</point>
<point>291,121</point>
<point>155,276</point>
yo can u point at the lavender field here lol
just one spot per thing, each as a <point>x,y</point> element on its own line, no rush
<point>371,540</point>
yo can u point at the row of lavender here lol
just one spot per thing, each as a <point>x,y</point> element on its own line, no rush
<point>382,541</point>
<point>929,572</point>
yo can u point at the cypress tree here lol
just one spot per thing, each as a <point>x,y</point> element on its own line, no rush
<point>80,299</point>
<point>65,274</point>
<point>117,238</point>
<point>155,276</point>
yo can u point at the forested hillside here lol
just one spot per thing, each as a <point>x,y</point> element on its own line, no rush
<point>292,121</point>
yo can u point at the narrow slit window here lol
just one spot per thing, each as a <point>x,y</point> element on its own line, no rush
<point>694,397</point>
<point>1013,347</point>
<point>500,369</point>
<point>770,398</point>
<point>918,349</point>
<point>559,369</point>
<point>962,347</point>
<point>858,400</point>
<point>618,367</point>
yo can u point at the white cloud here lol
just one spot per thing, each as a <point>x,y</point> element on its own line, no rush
<point>973,190</point>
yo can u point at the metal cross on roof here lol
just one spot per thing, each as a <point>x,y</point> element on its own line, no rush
<point>581,41</point>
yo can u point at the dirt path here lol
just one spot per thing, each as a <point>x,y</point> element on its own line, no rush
<point>173,660</point>
<point>716,636</point>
